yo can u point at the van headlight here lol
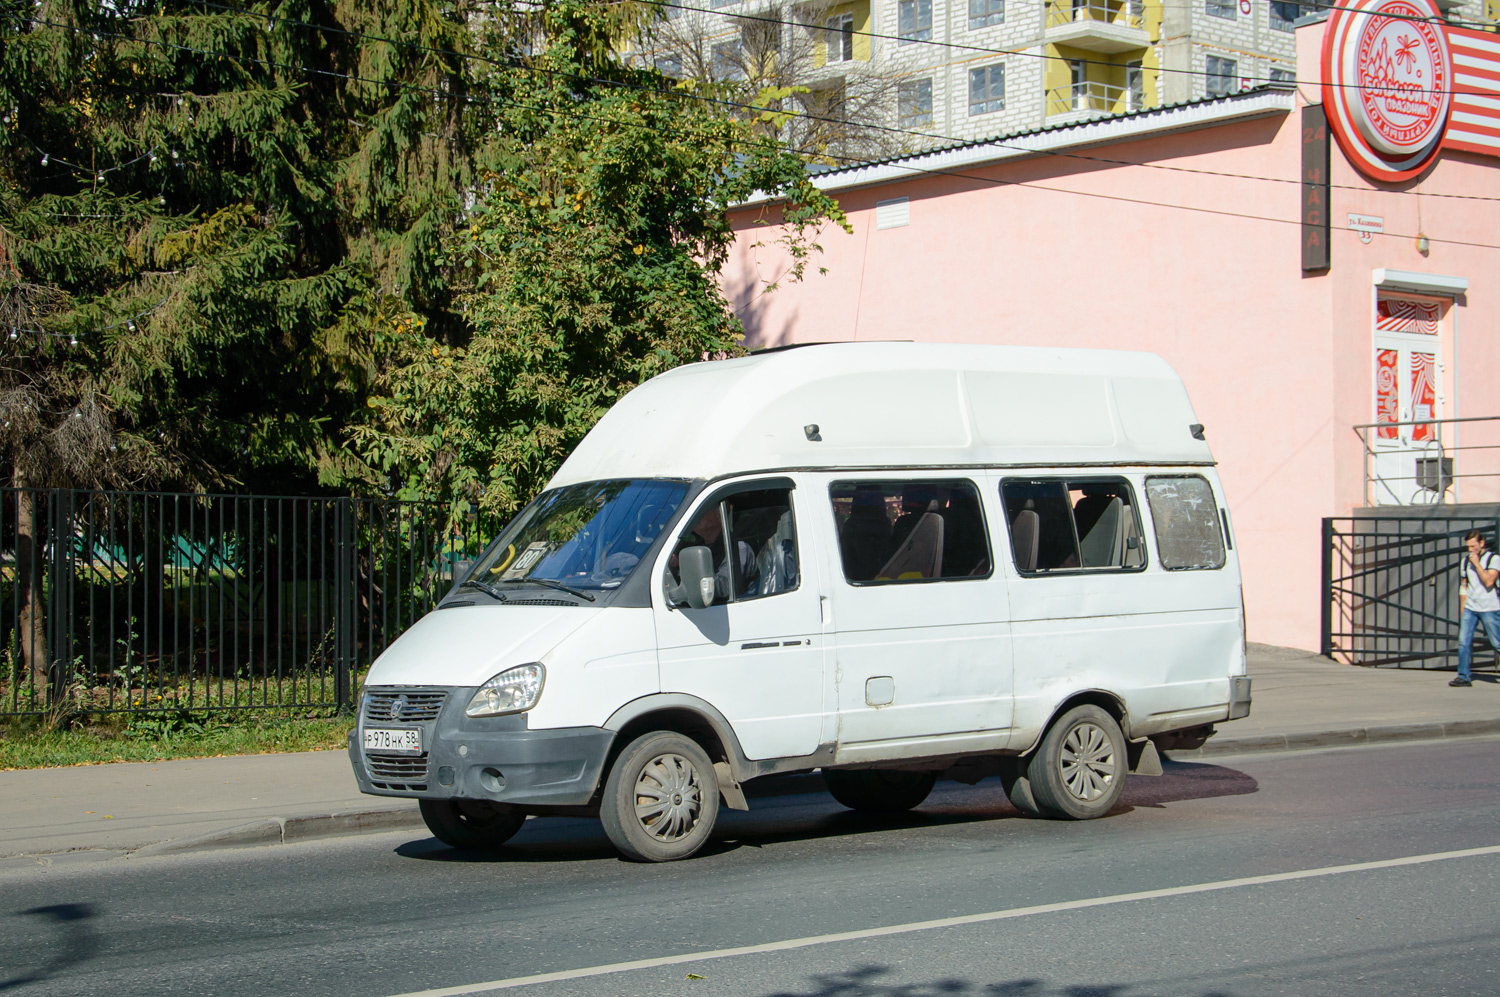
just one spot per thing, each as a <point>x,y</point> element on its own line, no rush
<point>512,691</point>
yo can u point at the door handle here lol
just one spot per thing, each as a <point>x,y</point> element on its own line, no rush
<point>756,645</point>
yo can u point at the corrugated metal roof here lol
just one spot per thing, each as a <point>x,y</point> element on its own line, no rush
<point>1245,104</point>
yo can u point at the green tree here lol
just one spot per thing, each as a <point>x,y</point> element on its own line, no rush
<point>588,264</point>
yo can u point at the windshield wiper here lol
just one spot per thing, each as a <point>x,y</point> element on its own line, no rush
<point>483,586</point>
<point>550,584</point>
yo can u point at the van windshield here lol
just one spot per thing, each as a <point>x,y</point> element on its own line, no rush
<point>585,536</point>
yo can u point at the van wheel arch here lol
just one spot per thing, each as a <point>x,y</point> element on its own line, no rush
<point>1106,701</point>
<point>689,717</point>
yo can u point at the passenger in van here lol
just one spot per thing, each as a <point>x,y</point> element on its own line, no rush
<point>865,537</point>
<point>707,532</point>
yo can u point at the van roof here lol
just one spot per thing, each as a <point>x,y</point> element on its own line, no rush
<point>894,405</point>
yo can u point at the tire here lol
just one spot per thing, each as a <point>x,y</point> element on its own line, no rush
<point>882,791</point>
<point>1079,769</point>
<point>661,798</point>
<point>473,824</point>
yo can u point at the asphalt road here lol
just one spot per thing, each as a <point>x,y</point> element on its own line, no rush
<point>1242,863</point>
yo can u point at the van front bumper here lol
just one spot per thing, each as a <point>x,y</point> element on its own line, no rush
<point>491,758</point>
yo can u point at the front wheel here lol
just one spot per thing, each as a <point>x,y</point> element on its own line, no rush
<point>885,791</point>
<point>1078,771</point>
<point>661,798</point>
<point>469,823</point>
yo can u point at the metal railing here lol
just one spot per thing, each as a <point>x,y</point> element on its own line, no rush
<point>1390,588</point>
<point>1431,461</point>
<point>142,601</point>
<point>1107,98</point>
<point>1126,14</point>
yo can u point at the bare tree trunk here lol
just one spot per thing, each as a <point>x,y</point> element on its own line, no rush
<point>31,623</point>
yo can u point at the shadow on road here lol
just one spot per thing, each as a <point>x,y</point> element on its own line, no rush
<point>866,981</point>
<point>76,943</point>
<point>804,812</point>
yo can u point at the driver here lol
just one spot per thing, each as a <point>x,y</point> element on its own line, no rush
<point>707,532</point>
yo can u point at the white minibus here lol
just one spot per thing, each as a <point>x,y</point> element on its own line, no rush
<point>894,562</point>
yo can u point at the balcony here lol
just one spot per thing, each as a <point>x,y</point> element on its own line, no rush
<point>1105,26</point>
<point>1091,100</point>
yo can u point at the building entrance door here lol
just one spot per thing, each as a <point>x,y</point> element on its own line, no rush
<point>1408,461</point>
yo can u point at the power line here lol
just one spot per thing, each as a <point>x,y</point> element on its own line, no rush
<point>805,115</point>
<point>854,161</point>
<point>907,40</point>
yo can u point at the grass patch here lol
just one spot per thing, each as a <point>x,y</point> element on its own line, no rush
<point>27,743</point>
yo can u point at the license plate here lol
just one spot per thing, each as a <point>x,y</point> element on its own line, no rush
<point>405,740</point>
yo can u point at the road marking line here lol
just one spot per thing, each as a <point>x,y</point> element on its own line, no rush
<point>947,922</point>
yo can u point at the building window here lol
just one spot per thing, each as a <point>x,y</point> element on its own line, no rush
<point>1283,76</point>
<point>910,531</point>
<point>914,21</point>
<point>669,65</point>
<point>983,13</point>
<point>1135,86</point>
<point>1284,15</point>
<point>1221,76</point>
<point>987,89</point>
<point>728,61</point>
<point>914,103</point>
<point>840,38</point>
<point>1221,8</point>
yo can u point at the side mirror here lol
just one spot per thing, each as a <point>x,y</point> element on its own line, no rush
<point>696,590</point>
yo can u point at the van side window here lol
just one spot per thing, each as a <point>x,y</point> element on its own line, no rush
<point>1187,522</point>
<point>762,533</point>
<point>908,531</point>
<point>1081,524</point>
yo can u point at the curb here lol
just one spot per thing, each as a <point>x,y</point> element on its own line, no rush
<point>1348,737</point>
<point>284,830</point>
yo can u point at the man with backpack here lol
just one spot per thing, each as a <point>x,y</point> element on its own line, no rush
<point>1477,601</point>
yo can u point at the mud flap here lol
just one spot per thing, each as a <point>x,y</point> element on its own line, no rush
<point>1144,758</point>
<point>734,796</point>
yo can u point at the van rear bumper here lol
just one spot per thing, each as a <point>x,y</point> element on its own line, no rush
<point>1239,696</point>
<point>523,768</point>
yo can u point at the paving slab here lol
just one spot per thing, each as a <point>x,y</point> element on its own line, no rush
<point>104,812</point>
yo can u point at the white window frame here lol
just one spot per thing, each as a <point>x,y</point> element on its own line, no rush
<point>1220,8</point>
<point>838,38</point>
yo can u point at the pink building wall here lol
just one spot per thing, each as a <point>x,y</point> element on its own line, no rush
<point>1187,252</point>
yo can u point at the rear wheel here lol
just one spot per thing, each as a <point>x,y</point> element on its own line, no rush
<point>1078,771</point>
<point>661,798</point>
<point>469,823</point>
<point>887,791</point>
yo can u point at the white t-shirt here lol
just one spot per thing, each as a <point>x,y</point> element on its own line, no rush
<point>1476,596</point>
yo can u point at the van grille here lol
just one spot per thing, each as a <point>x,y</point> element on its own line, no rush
<point>397,772</point>
<point>400,706</point>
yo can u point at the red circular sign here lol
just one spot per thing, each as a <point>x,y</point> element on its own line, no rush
<point>1387,77</point>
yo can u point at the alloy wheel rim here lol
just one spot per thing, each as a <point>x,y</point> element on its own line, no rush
<point>1088,762</point>
<point>668,797</point>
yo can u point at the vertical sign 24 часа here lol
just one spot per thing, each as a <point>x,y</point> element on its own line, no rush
<point>1315,213</point>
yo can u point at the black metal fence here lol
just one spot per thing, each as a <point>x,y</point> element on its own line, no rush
<point>1390,588</point>
<point>115,601</point>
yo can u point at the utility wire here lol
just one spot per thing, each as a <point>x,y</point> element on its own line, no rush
<point>853,161</point>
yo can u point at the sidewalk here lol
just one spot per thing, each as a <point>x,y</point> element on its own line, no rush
<point>86,813</point>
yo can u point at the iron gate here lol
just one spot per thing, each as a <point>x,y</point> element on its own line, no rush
<point>1390,588</point>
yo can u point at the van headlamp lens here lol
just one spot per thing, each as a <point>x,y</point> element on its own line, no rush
<point>512,691</point>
